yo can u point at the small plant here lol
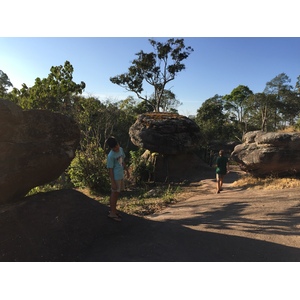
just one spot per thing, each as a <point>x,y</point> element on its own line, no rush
<point>63,182</point>
<point>142,168</point>
<point>146,201</point>
<point>170,193</point>
<point>88,170</point>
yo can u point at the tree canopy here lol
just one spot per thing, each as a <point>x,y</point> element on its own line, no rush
<point>4,83</point>
<point>55,93</point>
<point>156,68</point>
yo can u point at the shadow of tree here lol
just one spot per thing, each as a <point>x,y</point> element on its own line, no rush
<point>234,214</point>
<point>69,226</point>
<point>222,218</point>
<point>231,215</point>
<point>145,240</point>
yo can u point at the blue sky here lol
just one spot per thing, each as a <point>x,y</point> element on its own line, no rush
<point>233,44</point>
<point>217,65</point>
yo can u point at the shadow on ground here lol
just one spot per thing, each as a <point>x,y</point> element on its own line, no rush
<point>69,226</point>
<point>137,239</point>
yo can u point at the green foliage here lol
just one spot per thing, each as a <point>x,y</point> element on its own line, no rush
<point>260,111</point>
<point>169,194</point>
<point>220,118</point>
<point>297,125</point>
<point>148,199</point>
<point>214,124</point>
<point>283,103</point>
<point>168,101</point>
<point>278,84</point>
<point>236,105</point>
<point>55,93</point>
<point>63,182</point>
<point>88,170</point>
<point>155,68</point>
<point>141,168</point>
<point>4,83</point>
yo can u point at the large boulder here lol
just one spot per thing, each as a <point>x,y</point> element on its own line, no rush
<point>165,133</point>
<point>262,154</point>
<point>36,146</point>
<point>170,141</point>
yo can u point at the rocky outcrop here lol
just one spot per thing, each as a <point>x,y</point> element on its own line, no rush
<point>173,139</point>
<point>36,146</point>
<point>175,168</point>
<point>262,154</point>
<point>165,133</point>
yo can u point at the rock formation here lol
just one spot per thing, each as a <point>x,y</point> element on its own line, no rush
<point>36,146</point>
<point>262,154</point>
<point>174,138</point>
<point>165,133</point>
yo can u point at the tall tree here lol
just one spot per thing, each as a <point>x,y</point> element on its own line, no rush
<point>4,83</point>
<point>236,104</point>
<point>291,106</point>
<point>259,107</point>
<point>297,86</point>
<point>278,86</point>
<point>211,119</point>
<point>168,102</point>
<point>156,68</point>
<point>56,92</point>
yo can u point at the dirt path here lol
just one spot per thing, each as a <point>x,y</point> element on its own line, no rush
<point>235,225</point>
<point>272,216</point>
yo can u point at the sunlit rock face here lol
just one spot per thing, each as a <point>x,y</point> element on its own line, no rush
<point>269,153</point>
<point>36,146</point>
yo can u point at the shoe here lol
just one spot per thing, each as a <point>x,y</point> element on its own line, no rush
<point>115,218</point>
<point>218,192</point>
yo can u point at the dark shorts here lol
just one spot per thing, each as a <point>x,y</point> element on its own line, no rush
<point>220,175</point>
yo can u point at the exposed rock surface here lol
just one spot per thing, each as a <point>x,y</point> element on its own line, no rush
<point>52,226</point>
<point>263,154</point>
<point>176,168</point>
<point>36,146</point>
<point>165,133</point>
<point>172,138</point>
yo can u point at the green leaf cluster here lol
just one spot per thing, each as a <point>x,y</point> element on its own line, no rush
<point>88,170</point>
<point>55,93</point>
<point>5,83</point>
<point>156,69</point>
<point>142,169</point>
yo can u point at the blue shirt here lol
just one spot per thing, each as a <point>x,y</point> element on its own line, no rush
<point>115,161</point>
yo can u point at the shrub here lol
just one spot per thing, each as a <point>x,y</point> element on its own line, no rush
<point>141,168</point>
<point>88,170</point>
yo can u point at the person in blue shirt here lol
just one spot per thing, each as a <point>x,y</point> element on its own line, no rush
<point>116,166</point>
<point>222,169</point>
